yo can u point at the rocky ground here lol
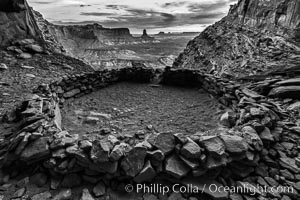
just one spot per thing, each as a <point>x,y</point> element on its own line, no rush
<point>20,75</point>
<point>129,109</point>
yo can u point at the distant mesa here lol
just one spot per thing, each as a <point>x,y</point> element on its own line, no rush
<point>161,33</point>
<point>145,36</point>
<point>80,40</point>
<point>84,5</point>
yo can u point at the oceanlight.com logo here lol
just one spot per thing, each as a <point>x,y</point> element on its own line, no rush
<point>243,188</point>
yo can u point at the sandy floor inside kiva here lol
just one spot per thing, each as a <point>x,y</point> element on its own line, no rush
<point>129,109</point>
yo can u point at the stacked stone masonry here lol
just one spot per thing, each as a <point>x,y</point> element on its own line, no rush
<point>258,145</point>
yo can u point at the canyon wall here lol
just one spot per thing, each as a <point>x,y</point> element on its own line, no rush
<point>93,43</point>
<point>17,22</point>
<point>280,16</point>
<point>256,36</point>
<point>76,39</point>
<point>98,46</point>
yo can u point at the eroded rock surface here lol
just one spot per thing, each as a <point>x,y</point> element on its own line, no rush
<point>255,37</point>
<point>17,21</point>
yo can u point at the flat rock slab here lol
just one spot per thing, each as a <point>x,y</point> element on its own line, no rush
<point>36,150</point>
<point>292,81</point>
<point>286,92</point>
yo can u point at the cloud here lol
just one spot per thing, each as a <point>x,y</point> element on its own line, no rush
<point>143,18</point>
<point>208,16</point>
<point>74,23</point>
<point>208,7</point>
<point>168,18</point>
<point>42,2</point>
<point>58,2</point>
<point>135,14</point>
<point>116,7</point>
<point>95,14</point>
<point>138,18</point>
<point>174,4</point>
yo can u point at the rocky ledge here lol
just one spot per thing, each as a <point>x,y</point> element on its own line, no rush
<point>258,146</point>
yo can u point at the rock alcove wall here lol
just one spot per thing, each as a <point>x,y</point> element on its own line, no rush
<point>228,157</point>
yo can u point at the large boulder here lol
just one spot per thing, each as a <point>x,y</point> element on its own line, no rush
<point>147,173</point>
<point>191,150</point>
<point>163,141</point>
<point>234,144</point>
<point>228,119</point>
<point>100,150</point>
<point>213,145</point>
<point>86,195</point>
<point>252,138</point>
<point>37,150</point>
<point>118,151</point>
<point>133,161</point>
<point>176,167</point>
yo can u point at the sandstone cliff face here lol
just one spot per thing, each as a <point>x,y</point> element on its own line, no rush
<point>77,39</point>
<point>93,43</point>
<point>80,40</point>
<point>256,36</point>
<point>280,16</point>
<point>16,22</point>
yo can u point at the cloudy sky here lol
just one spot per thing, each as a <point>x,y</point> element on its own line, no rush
<point>154,15</point>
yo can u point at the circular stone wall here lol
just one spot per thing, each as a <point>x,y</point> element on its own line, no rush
<point>227,157</point>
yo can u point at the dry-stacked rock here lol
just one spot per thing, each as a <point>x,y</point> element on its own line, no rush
<point>261,148</point>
